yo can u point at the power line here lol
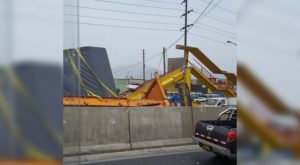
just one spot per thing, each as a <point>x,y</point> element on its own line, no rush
<point>174,3</point>
<point>127,27</point>
<point>196,21</point>
<point>132,65</point>
<point>159,63</point>
<point>207,38</point>
<point>126,20</point>
<point>165,2</point>
<point>218,19</point>
<point>222,8</point>
<point>122,11</point>
<point>146,14</point>
<point>212,27</point>
<point>153,22</point>
<point>190,26</point>
<point>230,36</point>
<point>177,40</point>
<point>202,13</point>
<point>139,5</point>
<point>223,19</point>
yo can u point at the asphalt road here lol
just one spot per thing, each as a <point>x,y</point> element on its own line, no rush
<point>184,158</point>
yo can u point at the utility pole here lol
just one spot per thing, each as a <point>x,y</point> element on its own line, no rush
<point>185,22</point>
<point>186,81</point>
<point>164,59</point>
<point>186,26</point>
<point>144,66</point>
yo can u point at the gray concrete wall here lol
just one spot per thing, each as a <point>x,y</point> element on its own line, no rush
<point>153,126</point>
<point>95,130</point>
<point>91,130</point>
<point>206,113</point>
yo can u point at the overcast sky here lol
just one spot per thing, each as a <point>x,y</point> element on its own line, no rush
<point>269,43</point>
<point>124,46</point>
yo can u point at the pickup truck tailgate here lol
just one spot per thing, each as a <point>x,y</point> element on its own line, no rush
<point>213,131</point>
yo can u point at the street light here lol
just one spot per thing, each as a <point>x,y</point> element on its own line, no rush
<point>230,42</point>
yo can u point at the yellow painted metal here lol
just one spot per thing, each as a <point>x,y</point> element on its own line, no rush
<point>176,76</point>
<point>186,58</point>
<point>186,84</point>
<point>188,77</point>
<point>30,162</point>
<point>231,78</point>
<point>199,75</point>
<point>276,105</point>
<point>112,102</point>
<point>201,57</point>
<point>181,76</point>
<point>172,88</point>
<point>263,92</point>
<point>166,80</point>
<point>154,96</point>
<point>209,91</point>
<point>265,133</point>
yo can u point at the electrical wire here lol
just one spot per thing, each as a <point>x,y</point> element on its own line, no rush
<point>172,44</point>
<point>149,14</point>
<point>201,14</point>
<point>122,11</point>
<point>219,20</point>
<point>139,5</point>
<point>212,27</point>
<point>207,38</point>
<point>159,63</point>
<point>153,22</point>
<point>177,40</point>
<point>165,2</point>
<point>132,65</point>
<point>222,8</point>
<point>126,27</point>
<point>174,3</point>
<point>216,32</point>
<point>125,20</point>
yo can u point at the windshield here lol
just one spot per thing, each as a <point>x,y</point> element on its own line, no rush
<point>212,101</point>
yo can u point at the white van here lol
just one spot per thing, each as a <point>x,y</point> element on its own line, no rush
<point>220,101</point>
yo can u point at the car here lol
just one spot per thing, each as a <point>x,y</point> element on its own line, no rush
<point>218,136</point>
<point>199,100</point>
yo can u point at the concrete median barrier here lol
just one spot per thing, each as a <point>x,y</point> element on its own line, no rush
<point>90,130</point>
<point>206,113</point>
<point>96,130</point>
<point>160,126</point>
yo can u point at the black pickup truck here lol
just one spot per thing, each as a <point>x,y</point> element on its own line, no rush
<point>218,136</point>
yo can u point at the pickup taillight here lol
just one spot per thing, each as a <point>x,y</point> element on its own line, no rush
<point>231,135</point>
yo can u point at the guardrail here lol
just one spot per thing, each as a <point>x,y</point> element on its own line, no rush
<point>221,83</point>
